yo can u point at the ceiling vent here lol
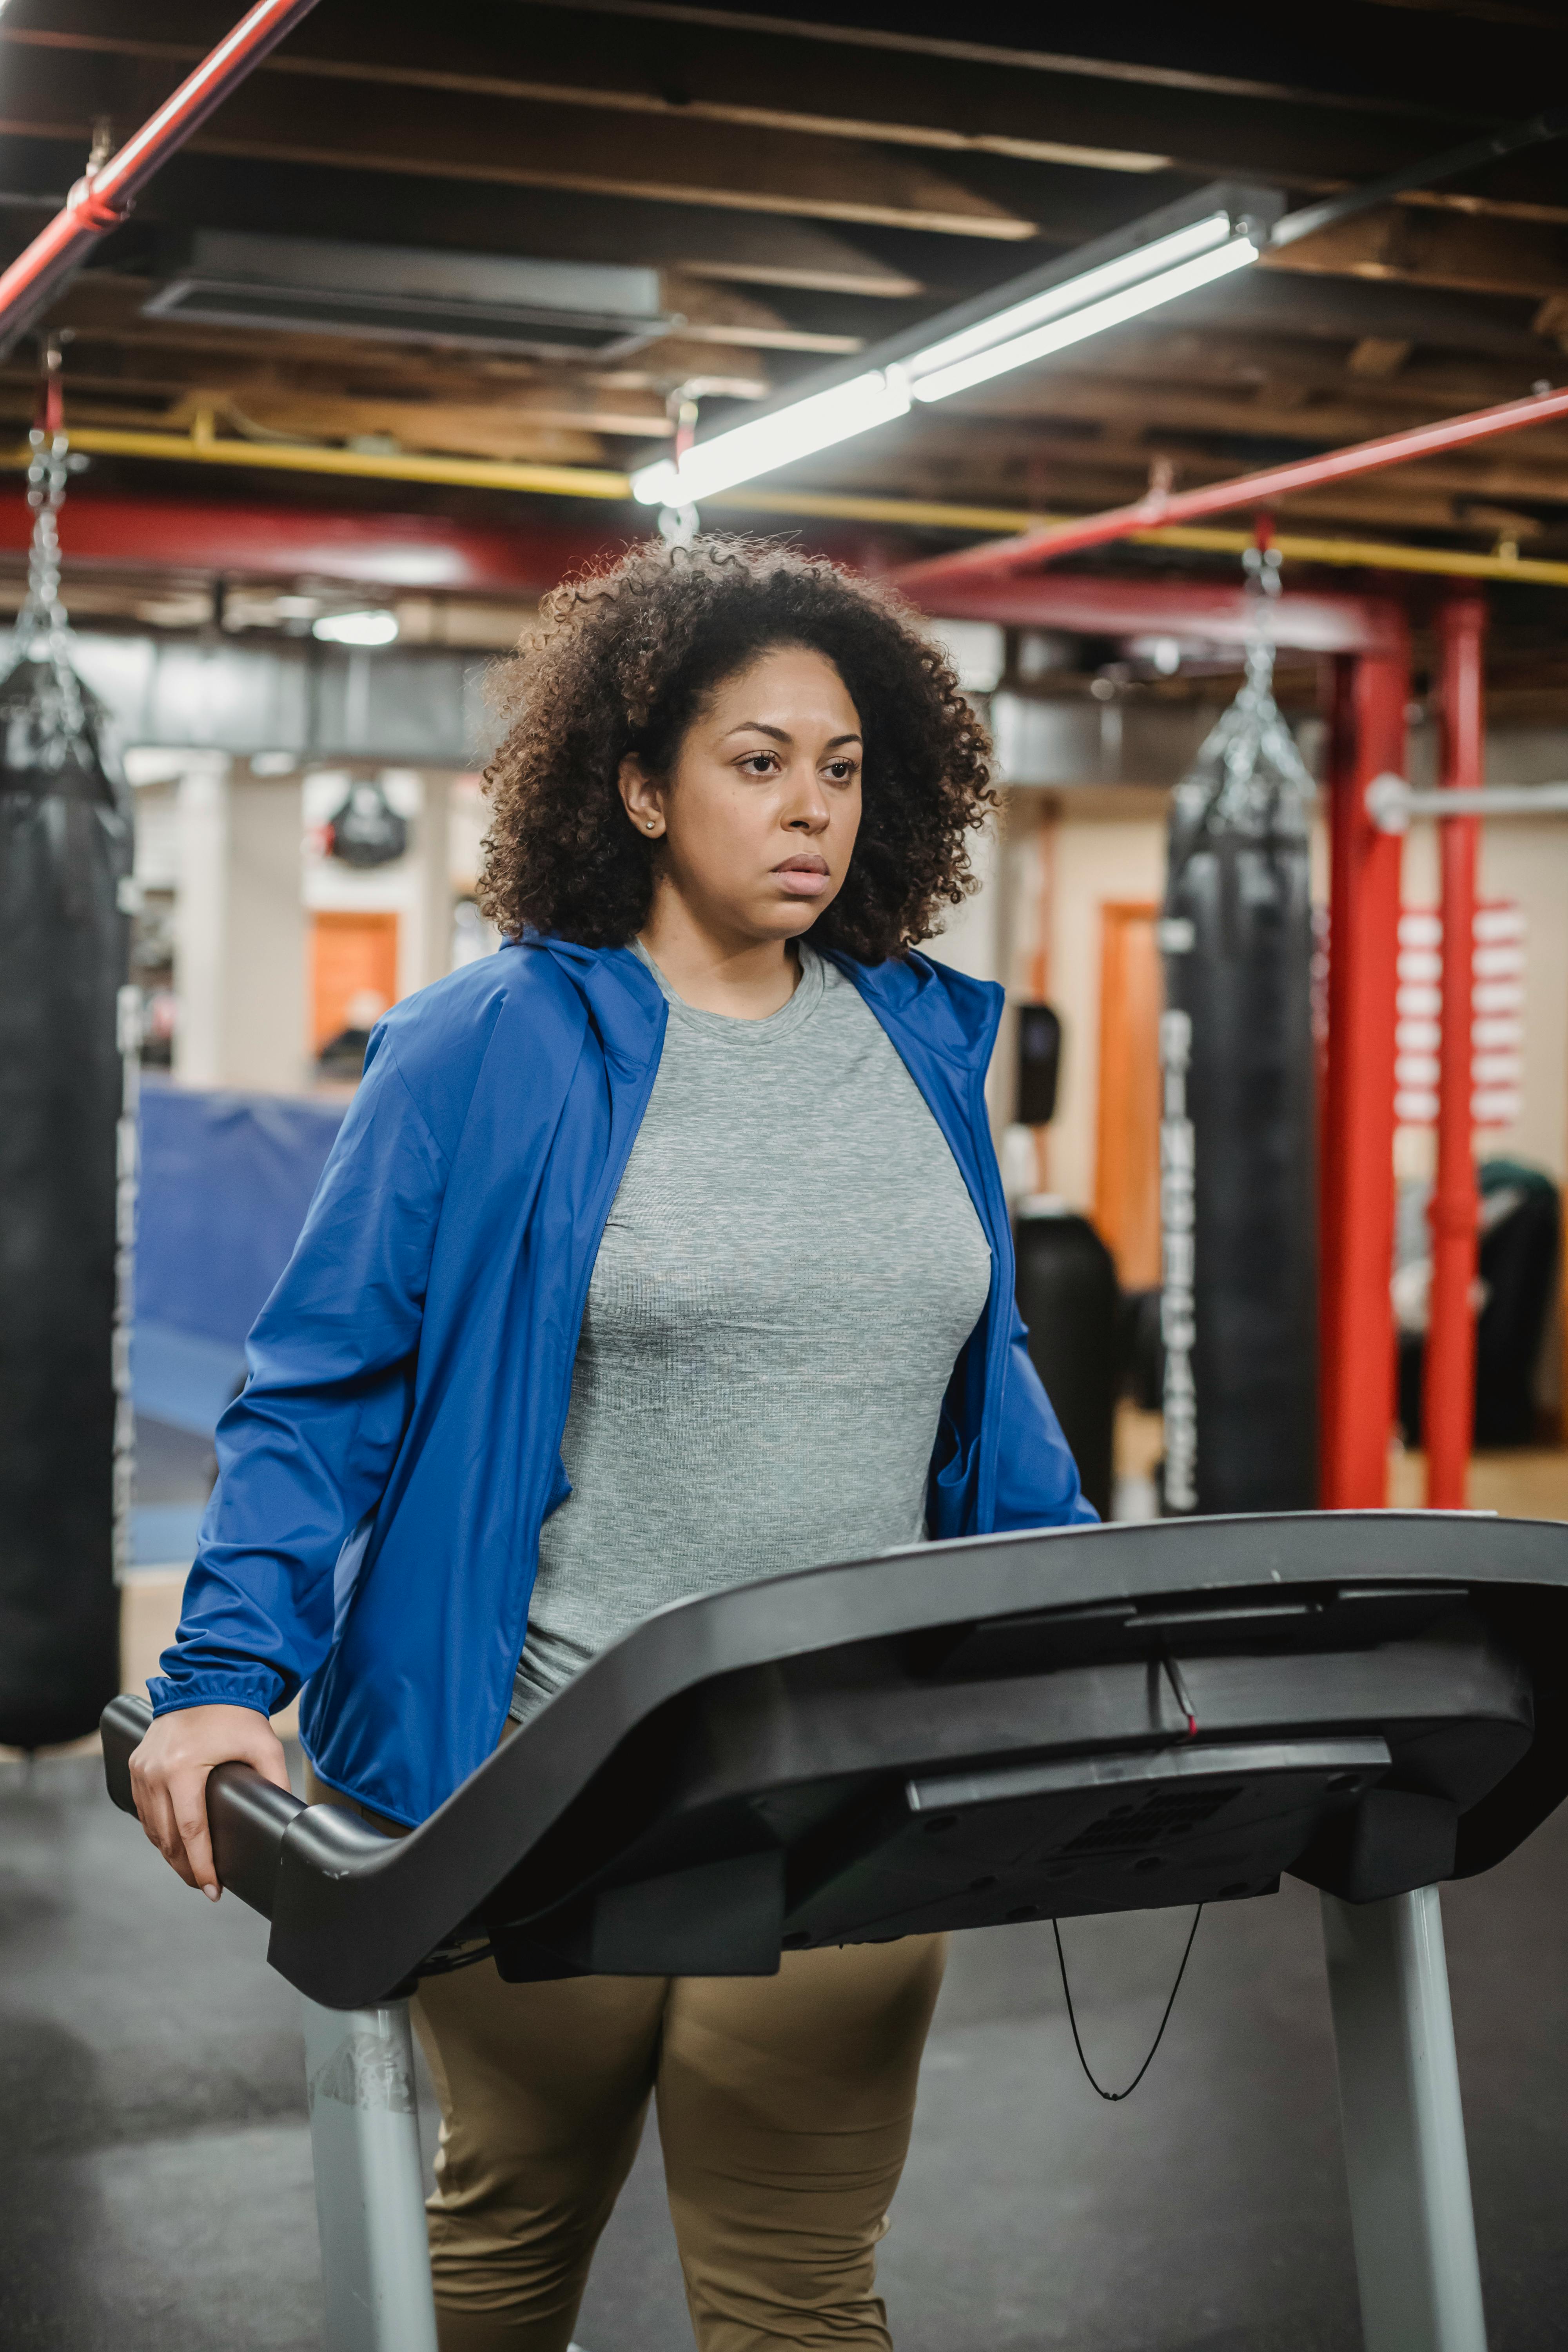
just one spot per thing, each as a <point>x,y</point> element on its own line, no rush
<point>482,302</point>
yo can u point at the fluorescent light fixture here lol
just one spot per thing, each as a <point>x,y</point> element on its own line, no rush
<point>1068,312</point>
<point>369,628</point>
<point>935,382</point>
<point>1074,293</point>
<point>799,431</point>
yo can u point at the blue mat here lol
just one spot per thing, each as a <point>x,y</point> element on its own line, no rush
<point>225,1181</point>
<point>163,1534</point>
<point>181,1378</point>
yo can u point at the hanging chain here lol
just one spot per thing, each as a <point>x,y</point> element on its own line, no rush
<point>43,628</point>
<point>43,634</point>
<point>678,526</point>
<point>48,478</point>
<point>1261,564</point>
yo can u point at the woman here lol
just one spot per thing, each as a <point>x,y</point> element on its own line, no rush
<point>662,1250</point>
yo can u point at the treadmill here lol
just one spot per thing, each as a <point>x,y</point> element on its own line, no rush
<point>1034,1726</point>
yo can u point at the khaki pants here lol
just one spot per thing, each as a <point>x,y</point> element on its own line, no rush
<point>784,2107</point>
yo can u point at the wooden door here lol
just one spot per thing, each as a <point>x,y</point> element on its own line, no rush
<point>354,958</point>
<point>1127,1131</point>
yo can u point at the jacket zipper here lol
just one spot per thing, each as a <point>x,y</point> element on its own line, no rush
<point>614,1168</point>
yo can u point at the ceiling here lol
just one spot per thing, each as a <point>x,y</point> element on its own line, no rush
<point>794,189</point>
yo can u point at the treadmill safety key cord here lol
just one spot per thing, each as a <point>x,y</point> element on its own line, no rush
<point>1172,1673</point>
<point>1183,1697</point>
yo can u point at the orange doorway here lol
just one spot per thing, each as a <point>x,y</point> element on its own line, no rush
<point>353,958</point>
<point>1127,1127</point>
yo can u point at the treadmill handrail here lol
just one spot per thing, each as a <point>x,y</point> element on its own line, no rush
<point>248,1817</point>
<point>394,1899</point>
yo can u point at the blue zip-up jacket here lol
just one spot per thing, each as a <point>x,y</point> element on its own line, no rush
<point>386,1470</point>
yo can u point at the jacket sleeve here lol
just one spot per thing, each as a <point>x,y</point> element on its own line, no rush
<point>1037,1477</point>
<point>305,1449</point>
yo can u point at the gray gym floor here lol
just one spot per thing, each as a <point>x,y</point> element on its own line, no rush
<point>154,2170</point>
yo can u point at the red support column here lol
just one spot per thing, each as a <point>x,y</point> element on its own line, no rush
<point>1449,1412</point>
<point>1367,739</point>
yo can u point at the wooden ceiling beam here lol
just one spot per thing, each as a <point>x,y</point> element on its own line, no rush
<point>1080,491</point>
<point>1521,468</point>
<point>1337,53</point>
<point>803,257</point>
<point>1411,248</point>
<point>628,398</point>
<point>451,428</point>
<point>1272,302</point>
<point>1267,366</point>
<point>1072,478</point>
<point>1446,493</point>
<point>1488,12</point>
<point>425,426</point>
<point>497,50</point>
<point>759,81</point>
<point>1159,394</point>
<point>154,377</point>
<point>436,134</point>
<point>104,309</point>
<point>722,315</point>
<point>1321,421</point>
<point>727,247</point>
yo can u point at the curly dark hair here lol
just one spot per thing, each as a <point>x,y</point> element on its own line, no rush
<point>622,662</point>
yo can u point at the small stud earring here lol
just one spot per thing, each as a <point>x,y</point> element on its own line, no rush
<point>651,826</point>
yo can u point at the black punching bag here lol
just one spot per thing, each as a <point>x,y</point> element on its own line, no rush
<point>1238,1156</point>
<point>65,848</point>
<point>1071,1301</point>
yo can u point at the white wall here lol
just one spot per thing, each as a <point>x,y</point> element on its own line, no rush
<point>396,888</point>
<point>1528,862</point>
<point>263,1034</point>
<point>201,918</point>
<point>1114,849</point>
<point>228,841</point>
<point>1079,849</point>
<point>221,837</point>
<point>235,848</point>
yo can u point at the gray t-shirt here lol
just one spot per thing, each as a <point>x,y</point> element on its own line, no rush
<point>790,1268</point>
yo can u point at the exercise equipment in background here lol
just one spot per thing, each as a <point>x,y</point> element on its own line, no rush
<point>1067,1288</point>
<point>1239,1144</point>
<point>1516,1266</point>
<point>366,830</point>
<point>1040,1036</point>
<point>959,1736</point>
<point>68,1163</point>
<point>1071,1303</point>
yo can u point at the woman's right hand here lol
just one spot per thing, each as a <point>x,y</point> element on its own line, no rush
<point>168,1779</point>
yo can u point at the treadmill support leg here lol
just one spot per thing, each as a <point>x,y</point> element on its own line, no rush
<point>1403,2128</point>
<point>370,2199</point>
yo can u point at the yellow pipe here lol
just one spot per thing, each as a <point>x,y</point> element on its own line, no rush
<point>204,447</point>
<point>1363,553</point>
<point>1375,554</point>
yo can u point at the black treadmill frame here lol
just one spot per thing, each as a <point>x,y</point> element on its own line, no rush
<point>356,1914</point>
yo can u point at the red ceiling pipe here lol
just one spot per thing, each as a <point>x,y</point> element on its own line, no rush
<point>1366,737</point>
<point>1448,1409</point>
<point>997,557</point>
<point>151,538</point>
<point>100,203</point>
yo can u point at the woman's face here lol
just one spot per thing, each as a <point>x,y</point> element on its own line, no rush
<point>757,818</point>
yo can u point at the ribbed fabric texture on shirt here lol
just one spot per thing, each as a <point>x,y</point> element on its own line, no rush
<point>791,1267</point>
